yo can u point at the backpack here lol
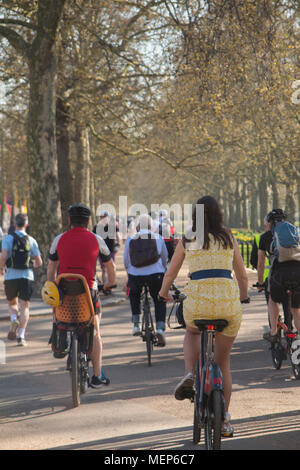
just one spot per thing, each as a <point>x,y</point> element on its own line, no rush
<point>143,251</point>
<point>286,242</point>
<point>20,257</point>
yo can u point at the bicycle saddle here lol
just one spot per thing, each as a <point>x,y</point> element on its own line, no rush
<point>218,325</point>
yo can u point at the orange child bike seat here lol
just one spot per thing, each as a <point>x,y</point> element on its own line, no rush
<point>76,307</point>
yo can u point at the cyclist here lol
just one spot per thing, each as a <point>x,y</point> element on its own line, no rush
<point>150,271</point>
<point>281,272</point>
<point>105,224</point>
<point>167,230</point>
<point>19,276</point>
<point>76,251</point>
<point>211,293</point>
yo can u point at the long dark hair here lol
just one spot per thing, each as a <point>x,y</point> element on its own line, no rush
<point>213,224</point>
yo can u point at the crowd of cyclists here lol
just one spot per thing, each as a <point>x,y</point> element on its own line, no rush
<point>154,254</point>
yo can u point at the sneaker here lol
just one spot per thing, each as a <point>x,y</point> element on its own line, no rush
<point>60,355</point>
<point>97,382</point>
<point>21,342</point>
<point>12,334</point>
<point>227,428</point>
<point>185,388</point>
<point>136,330</point>
<point>270,338</point>
<point>161,338</point>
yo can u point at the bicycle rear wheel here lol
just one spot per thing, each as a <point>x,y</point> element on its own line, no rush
<point>277,352</point>
<point>197,421</point>
<point>213,421</point>
<point>75,372</point>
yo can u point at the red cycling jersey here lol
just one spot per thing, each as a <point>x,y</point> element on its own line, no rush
<point>77,251</point>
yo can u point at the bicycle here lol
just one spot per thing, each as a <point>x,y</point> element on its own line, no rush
<point>148,332</point>
<point>208,397</point>
<point>285,345</point>
<point>76,315</point>
<point>177,306</point>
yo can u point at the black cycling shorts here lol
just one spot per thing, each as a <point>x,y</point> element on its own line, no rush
<point>21,288</point>
<point>280,276</point>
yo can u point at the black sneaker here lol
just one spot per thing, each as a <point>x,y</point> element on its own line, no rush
<point>60,355</point>
<point>185,388</point>
<point>97,382</point>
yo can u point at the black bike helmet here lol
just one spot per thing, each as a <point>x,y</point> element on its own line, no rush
<point>276,215</point>
<point>79,210</point>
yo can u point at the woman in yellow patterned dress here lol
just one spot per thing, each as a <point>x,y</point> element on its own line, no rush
<point>211,293</point>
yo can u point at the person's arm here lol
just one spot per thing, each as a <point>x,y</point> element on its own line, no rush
<point>111,274</point>
<point>173,270</point>
<point>261,264</point>
<point>164,254</point>
<point>240,271</point>
<point>126,254</point>
<point>52,270</point>
<point>3,259</point>
<point>37,261</point>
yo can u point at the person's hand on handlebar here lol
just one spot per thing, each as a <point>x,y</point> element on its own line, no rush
<point>165,297</point>
<point>260,287</point>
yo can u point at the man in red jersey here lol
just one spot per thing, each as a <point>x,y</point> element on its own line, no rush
<point>76,251</point>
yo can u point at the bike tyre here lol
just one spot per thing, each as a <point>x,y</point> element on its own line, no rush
<point>75,372</point>
<point>214,420</point>
<point>277,353</point>
<point>149,345</point>
<point>197,423</point>
<point>83,374</point>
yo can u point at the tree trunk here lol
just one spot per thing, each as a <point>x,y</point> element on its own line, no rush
<point>290,202</point>
<point>237,202</point>
<point>245,223</point>
<point>263,197</point>
<point>82,177</point>
<point>253,208</point>
<point>63,159</point>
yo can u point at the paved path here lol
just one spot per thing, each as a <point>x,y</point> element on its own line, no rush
<point>138,411</point>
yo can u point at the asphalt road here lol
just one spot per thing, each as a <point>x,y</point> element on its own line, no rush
<point>137,410</point>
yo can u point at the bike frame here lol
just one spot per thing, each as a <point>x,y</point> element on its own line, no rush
<point>209,375</point>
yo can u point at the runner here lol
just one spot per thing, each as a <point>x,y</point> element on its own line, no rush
<point>20,253</point>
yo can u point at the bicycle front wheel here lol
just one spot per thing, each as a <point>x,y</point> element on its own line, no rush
<point>75,373</point>
<point>294,353</point>
<point>213,420</point>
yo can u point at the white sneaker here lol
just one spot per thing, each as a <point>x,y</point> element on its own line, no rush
<point>161,338</point>
<point>136,331</point>
<point>227,428</point>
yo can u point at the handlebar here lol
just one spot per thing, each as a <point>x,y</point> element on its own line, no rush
<point>177,296</point>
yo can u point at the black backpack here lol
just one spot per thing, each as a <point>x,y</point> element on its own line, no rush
<point>143,251</point>
<point>20,257</point>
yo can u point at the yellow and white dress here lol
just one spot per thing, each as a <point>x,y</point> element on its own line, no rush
<point>212,298</point>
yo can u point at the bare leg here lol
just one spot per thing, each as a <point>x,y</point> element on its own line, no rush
<point>223,345</point>
<point>13,307</point>
<point>296,317</point>
<point>96,355</point>
<point>274,314</point>
<point>191,349</point>
<point>24,313</point>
